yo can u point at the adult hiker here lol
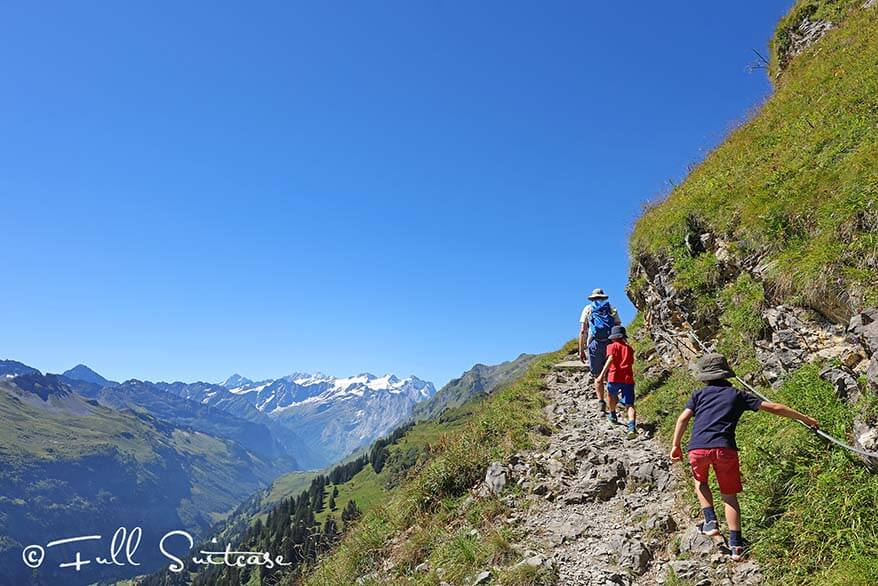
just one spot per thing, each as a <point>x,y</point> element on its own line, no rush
<point>595,325</point>
<point>717,408</point>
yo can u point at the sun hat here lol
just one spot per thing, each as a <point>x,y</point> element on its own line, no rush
<point>598,294</point>
<point>712,367</point>
<point>618,333</point>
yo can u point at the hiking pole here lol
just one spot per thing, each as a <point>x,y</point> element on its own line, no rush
<point>873,456</point>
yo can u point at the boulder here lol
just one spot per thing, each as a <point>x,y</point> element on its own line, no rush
<point>843,380</point>
<point>662,522</point>
<point>495,478</point>
<point>872,373</point>
<point>555,467</point>
<point>864,326</point>
<point>536,561</point>
<point>685,569</point>
<point>482,578</point>
<point>695,542</point>
<point>635,556</point>
<point>574,498</point>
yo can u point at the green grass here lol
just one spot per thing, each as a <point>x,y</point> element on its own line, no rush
<point>741,303</point>
<point>366,489</point>
<point>808,509</point>
<point>814,10</point>
<point>432,512</point>
<point>798,180</point>
<point>290,484</point>
<point>796,189</point>
<point>810,506</point>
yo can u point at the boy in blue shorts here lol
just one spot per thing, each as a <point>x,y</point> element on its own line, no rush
<point>618,371</point>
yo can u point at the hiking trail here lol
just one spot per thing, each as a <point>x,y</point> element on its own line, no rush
<point>605,510</point>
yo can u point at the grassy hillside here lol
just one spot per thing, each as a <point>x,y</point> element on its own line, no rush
<point>798,182</point>
<point>795,190</point>
<point>429,516</point>
<point>481,379</point>
<point>67,461</point>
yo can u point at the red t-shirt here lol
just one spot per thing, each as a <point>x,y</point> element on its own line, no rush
<point>622,367</point>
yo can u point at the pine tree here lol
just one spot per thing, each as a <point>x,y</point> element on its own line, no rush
<point>350,514</point>
<point>330,532</point>
<point>332,495</point>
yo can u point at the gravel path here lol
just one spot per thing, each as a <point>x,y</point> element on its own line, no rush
<point>604,508</point>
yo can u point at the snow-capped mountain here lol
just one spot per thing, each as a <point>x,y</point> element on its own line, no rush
<point>334,416</point>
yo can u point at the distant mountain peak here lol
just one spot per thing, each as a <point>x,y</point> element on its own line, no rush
<point>83,373</point>
<point>11,368</point>
<point>236,381</point>
<point>45,386</point>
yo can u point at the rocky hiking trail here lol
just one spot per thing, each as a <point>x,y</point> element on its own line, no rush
<point>604,509</point>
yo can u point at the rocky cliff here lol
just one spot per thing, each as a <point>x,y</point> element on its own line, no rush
<point>775,336</point>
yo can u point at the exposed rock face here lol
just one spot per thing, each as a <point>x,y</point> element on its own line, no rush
<point>845,345</point>
<point>802,36</point>
<point>791,337</point>
<point>798,336</point>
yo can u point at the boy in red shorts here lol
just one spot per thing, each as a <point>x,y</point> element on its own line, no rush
<point>717,409</point>
<point>618,371</point>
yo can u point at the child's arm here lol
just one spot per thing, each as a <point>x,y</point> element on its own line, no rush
<point>784,411</point>
<point>603,374</point>
<point>682,422</point>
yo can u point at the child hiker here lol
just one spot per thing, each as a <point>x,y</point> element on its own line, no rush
<point>717,408</point>
<point>597,321</point>
<point>618,371</point>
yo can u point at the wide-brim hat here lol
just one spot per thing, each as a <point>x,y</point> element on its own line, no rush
<point>712,367</point>
<point>598,294</point>
<point>618,332</point>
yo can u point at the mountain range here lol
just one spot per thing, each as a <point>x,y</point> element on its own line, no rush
<point>72,465</point>
<point>334,416</point>
<point>81,452</point>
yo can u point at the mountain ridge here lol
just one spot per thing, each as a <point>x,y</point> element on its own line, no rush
<point>70,463</point>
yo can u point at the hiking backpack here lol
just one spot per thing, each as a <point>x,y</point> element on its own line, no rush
<point>601,320</point>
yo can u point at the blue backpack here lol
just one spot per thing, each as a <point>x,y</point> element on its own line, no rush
<point>601,320</point>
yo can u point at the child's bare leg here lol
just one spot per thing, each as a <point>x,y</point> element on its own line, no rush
<point>632,414</point>
<point>705,497</point>
<point>733,511</point>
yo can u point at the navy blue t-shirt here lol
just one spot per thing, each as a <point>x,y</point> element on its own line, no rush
<point>717,409</point>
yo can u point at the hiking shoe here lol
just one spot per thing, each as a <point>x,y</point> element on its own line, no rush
<point>611,417</point>
<point>710,528</point>
<point>632,433</point>
<point>737,552</point>
<point>603,405</point>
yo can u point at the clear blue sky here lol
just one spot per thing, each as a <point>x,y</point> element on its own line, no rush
<point>189,189</point>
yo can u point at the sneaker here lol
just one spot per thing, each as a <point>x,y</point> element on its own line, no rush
<point>737,552</point>
<point>710,528</point>
<point>632,432</point>
<point>603,405</point>
<point>611,417</point>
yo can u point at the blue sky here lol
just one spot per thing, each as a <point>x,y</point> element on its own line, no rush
<point>193,189</point>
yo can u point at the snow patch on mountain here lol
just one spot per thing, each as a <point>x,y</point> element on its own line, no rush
<point>336,414</point>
